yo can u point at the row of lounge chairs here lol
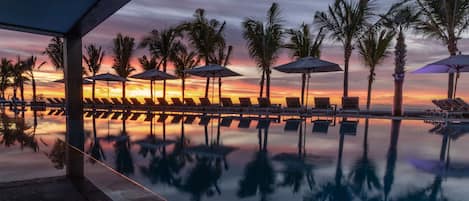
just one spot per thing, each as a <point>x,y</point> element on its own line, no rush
<point>293,105</point>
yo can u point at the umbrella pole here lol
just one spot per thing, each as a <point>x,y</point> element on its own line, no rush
<point>107,89</point>
<point>456,84</point>
<point>307,90</point>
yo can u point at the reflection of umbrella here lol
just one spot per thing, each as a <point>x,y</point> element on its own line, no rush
<point>108,77</point>
<point>452,64</point>
<point>212,71</point>
<point>213,151</point>
<point>152,75</point>
<point>441,168</point>
<point>453,130</point>
<point>308,65</point>
<point>85,81</point>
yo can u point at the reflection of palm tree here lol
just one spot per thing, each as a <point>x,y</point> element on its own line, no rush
<point>57,154</point>
<point>96,150</point>
<point>388,179</point>
<point>259,174</point>
<point>364,170</point>
<point>334,190</point>
<point>124,161</point>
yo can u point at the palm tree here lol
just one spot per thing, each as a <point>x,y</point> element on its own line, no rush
<point>391,158</point>
<point>93,59</point>
<point>6,67</point>
<point>123,50</point>
<point>55,52</point>
<point>19,77</point>
<point>264,42</point>
<point>444,20</point>
<point>30,66</point>
<point>346,20</point>
<point>373,49</point>
<point>221,57</point>
<point>399,17</point>
<point>205,35</point>
<point>301,45</point>
<point>162,44</point>
<point>184,60</point>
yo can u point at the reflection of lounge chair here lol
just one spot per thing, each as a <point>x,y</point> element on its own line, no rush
<point>348,127</point>
<point>135,116</point>
<point>350,104</point>
<point>321,126</point>
<point>125,115</point>
<point>149,117</point>
<point>204,120</point>
<point>292,124</point>
<point>226,122</point>
<point>176,119</point>
<point>162,118</point>
<point>244,123</point>
<point>153,143</point>
<point>106,115</point>
<point>116,115</point>
<point>189,119</point>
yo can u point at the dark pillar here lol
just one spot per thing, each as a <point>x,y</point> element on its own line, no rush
<point>74,106</point>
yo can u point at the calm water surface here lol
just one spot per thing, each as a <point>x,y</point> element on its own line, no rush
<point>233,158</point>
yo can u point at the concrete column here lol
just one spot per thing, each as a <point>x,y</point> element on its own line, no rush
<point>74,105</point>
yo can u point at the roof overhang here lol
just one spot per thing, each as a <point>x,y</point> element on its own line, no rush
<point>56,17</point>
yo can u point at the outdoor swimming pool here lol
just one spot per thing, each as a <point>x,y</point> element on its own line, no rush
<point>187,157</point>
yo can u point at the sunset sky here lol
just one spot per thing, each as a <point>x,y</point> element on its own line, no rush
<point>139,17</point>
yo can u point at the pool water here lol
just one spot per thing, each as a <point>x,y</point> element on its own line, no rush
<point>187,157</point>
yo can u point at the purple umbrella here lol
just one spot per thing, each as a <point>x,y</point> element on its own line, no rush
<point>453,64</point>
<point>441,168</point>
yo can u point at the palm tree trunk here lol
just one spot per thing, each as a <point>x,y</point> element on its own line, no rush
<point>33,83</point>
<point>151,89</point>
<point>400,54</point>
<point>207,83</point>
<point>164,81</point>
<point>219,89</point>
<point>22,91</point>
<point>261,83</point>
<point>391,158</point>
<point>123,89</point>
<point>303,86</point>
<point>183,87</point>
<point>347,55</point>
<point>370,83</point>
<point>93,87</point>
<point>453,50</point>
<point>267,83</point>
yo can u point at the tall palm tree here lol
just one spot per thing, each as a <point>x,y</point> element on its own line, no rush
<point>30,66</point>
<point>93,59</point>
<point>123,50</point>
<point>221,57</point>
<point>55,53</point>
<point>346,20</point>
<point>162,44</point>
<point>264,41</point>
<point>373,49</point>
<point>444,20</point>
<point>184,60</point>
<point>19,77</point>
<point>302,44</point>
<point>5,73</point>
<point>400,17</point>
<point>205,35</point>
<point>391,158</point>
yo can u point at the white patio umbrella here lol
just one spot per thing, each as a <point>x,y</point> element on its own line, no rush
<point>212,71</point>
<point>108,77</point>
<point>308,65</point>
<point>453,64</point>
<point>152,75</point>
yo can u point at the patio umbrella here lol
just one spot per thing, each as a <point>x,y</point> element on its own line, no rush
<point>308,65</point>
<point>212,71</point>
<point>453,64</point>
<point>152,75</point>
<point>108,77</point>
<point>85,81</point>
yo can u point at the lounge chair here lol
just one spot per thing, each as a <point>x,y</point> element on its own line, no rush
<point>162,102</point>
<point>350,104</point>
<point>135,102</point>
<point>177,102</point>
<point>294,105</point>
<point>51,101</point>
<point>116,101</point>
<point>126,102</point>
<point>228,104</point>
<point>323,104</point>
<point>106,101</point>
<point>98,101</point>
<point>125,115</point>
<point>149,102</point>
<point>263,123</point>
<point>207,105</point>
<point>267,106</point>
<point>59,101</point>
<point>190,102</point>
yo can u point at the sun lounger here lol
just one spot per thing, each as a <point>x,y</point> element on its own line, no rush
<point>227,104</point>
<point>190,102</point>
<point>263,123</point>
<point>106,115</point>
<point>207,105</point>
<point>116,101</point>
<point>135,102</point>
<point>106,101</point>
<point>58,101</point>
<point>162,102</point>
<point>350,104</point>
<point>323,104</point>
<point>293,105</point>
<point>98,101</point>
<point>267,106</point>
<point>51,101</point>
<point>125,115</point>
<point>149,102</point>
<point>177,102</point>
<point>126,102</point>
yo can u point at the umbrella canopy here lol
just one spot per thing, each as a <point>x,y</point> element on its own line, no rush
<point>308,65</point>
<point>154,74</point>
<point>85,81</point>
<point>212,70</point>
<point>451,64</point>
<point>108,77</point>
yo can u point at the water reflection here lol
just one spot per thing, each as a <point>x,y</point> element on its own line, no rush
<point>216,157</point>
